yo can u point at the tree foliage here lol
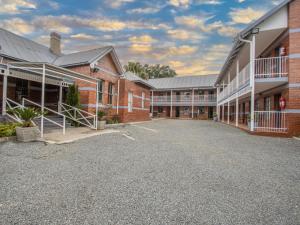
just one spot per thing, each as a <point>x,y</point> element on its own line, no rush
<point>73,96</point>
<point>150,71</point>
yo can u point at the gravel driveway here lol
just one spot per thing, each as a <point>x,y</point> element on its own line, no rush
<point>162,172</point>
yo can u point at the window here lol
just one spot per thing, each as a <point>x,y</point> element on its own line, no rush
<point>143,100</point>
<point>267,104</point>
<point>110,93</point>
<point>257,105</point>
<point>186,110</point>
<point>160,109</point>
<point>130,101</point>
<point>100,90</point>
<point>201,110</point>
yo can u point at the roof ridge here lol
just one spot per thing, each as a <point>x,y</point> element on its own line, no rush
<point>73,53</point>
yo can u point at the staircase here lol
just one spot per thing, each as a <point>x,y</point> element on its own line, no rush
<point>50,127</point>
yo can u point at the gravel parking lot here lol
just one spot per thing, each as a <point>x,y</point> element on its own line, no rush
<point>161,172</point>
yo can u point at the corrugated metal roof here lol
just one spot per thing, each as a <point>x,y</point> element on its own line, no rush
<point>20,48</point>
<point>183,82</point>
<point>134,78</point>
<point>244,33</point>
<point>83,57</point>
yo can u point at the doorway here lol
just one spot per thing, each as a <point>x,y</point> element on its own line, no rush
<point>177,109</point>
<point>210,112</point>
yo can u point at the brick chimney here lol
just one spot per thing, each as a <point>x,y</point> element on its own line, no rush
<point>55,43</point>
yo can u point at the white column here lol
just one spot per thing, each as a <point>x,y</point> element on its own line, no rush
<point>223,113</point>
<point>237,94</point>
<point>252,77</point>
<point>60,97</point>
<point>4,91</point>
<point>152,102</point>
<point>218,106</point>
<point>97,105</point>
<point>171,110</point>
<point>193,100</point>
<point>43,100</point>
<point>118,97</point>
<point>228,105</point>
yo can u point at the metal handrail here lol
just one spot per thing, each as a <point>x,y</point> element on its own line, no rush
<point>67,109</point>
<point>18,105</point>
<point>50,110</point>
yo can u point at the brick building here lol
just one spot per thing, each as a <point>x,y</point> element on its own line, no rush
<point>187,97</point>
<point>39,76</point>
<point>259,85</point>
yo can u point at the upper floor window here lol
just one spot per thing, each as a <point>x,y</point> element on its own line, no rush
<point>110,93</point>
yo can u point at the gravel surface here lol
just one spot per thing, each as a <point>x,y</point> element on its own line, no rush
<point>162,172</point>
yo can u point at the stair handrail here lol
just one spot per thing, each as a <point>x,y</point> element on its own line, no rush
<point>50,110</point>
<point>18,105</point>
<point>68,109</point>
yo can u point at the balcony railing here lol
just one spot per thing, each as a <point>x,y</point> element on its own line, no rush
<point>271,67</point>
<point>184,99</point>
<point>275,67</point>
<point>270,121</point>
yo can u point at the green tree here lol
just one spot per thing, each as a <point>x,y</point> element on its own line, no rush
<point>73,96</point>
<point>150,71</point>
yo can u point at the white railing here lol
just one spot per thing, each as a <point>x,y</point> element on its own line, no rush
<point>63,126</point>
<point>270,121</point>
<point>184,99</point>
<point>264,68</point>
<point>271,67</point>
<point>11,105</point>
<point>78,115</point>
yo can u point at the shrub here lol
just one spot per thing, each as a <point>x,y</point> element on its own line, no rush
<point>114,119</point>
<point>8,129</point>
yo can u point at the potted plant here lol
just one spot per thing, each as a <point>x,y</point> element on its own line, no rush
<point>28,131</point>
<point>215,117</point>
<point>101,120</point>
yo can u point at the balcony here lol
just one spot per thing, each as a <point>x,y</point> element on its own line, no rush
<point>268,72</point>
<point>185,100</point>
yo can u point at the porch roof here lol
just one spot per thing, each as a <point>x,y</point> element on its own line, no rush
<point>52,71</point>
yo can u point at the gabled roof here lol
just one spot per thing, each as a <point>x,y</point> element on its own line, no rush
<point>245,33</point>
<point>136,79</point>
<point>23,49</point>
<point>184,82</point>
<point>83,57</point>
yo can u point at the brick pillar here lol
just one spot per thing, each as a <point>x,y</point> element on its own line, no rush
<point>293,96</point>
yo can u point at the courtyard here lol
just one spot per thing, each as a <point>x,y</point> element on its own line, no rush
<point>160,172</point>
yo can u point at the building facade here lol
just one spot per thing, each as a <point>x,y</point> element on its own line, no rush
<point>39,76</point>
<point>191,97</point>
<point>259,85</point>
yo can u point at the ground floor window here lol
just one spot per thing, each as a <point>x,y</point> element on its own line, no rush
<point>201,110</point>
<point>110,93</point>
<point>100,91</point>
<point>267,104</point>
<point>130,101</point>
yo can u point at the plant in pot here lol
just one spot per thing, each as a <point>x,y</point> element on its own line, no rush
<point>28,131</point>
<point>215,117</point>
<point>101,120</point>
<point>73,100</point>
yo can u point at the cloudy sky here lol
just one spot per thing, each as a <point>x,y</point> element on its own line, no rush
<point>192,36</point>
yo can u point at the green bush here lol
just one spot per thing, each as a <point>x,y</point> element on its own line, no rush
<point>114,120</point>
<point>8,129</point>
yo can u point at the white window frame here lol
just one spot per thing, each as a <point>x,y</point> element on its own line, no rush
<point>130,101</point>
<point>143,100</point>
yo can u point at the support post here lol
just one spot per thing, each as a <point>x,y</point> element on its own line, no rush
<point>97,104</point>
<point>4,92</point>
<point>60,97</point>
<point>223,113</point>
<point>171,110</point>
<point>193,100</point>
<point>252,77</point>
<point>237,94</point>
<point>118,97</point>
<point>152,102</point>
<point>43,100</point>
<point>218,106</point>
<point>228,105</point>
